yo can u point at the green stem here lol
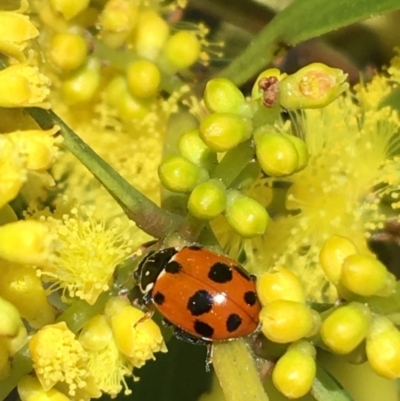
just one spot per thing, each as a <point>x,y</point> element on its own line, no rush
<point>21,366</point>
<point>146,214</point>
<point>327,388</point>
<point>237,373</point>
<point>233,163</point>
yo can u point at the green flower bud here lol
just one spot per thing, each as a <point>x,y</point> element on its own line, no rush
<point>223,131</point>
<point>346,327</point>
<point>302,150</point>
<point>223,96</point>
<point>180,175</point>
<point>294,373</point>
<point>207,200</point>
<point>143,78</point>
<point>363,274</point>
<point>333,252</point>
<point>284,321</point>
<point>276,154</point>
<point>10,319</point>
<point>182,49</point>
<point>258,89</point>
<point>246,216</point>
<point>314,86</point>
<point>191,147</point>
<point>82,85</point>
<point>383,348</point>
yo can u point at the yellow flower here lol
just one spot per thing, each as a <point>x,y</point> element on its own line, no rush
<point>58,357</point>
<point>137,336</point>
<point>15,31</point>
<point>20,285</point>
<point>26,242</point>
<point>88,252</point>
<point>23,85</point>
<point>13,169</point>
<point>107,364</point>
<point>39,146</point>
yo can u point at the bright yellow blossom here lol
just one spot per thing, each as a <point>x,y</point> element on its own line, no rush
<point>26,242</point>
<point>58,357</point>
<point>15,30</point>
<point>88,252</point>
<point>20,285</point>
<point>23,85</point>
<point>136,335</point>
<point>13,169</point>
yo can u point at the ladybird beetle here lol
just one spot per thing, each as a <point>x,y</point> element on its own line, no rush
<point>204,295</point>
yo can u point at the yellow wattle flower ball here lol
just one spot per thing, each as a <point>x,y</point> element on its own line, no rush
<point>143,78</point>
<point>294,373</point>
<point>15,30</point>
<point>280,283</point>
<point>23,86</point>
<point>26,242</point>
<point>68,51</point>
<point>10,319</point>
<point>285,321</point>
<point>96,333</point>
<point>383,347</point>
<point>346,327</point>
<point>333,252</point>
<point>182,49</point>
<point>150,34</point>
<point>363,274</point>
<point>137,336</point>
<point>82,85</point>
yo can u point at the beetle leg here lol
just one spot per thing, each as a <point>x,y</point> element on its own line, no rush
<point>148,315</point>
<point>210,351</point>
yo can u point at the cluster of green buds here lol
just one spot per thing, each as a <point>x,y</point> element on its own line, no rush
<point>209,166</point>
<point>88,66</point>
<point>352,329</point>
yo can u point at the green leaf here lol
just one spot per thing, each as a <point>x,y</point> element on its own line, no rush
<point>302,20</point>
<point>327,388</point>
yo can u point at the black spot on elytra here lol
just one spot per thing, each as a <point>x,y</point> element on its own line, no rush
<point>200,302</point>
<point>220,273</point>
<point>159,298</point>
<point>195,247</point>
<point>233,322</point>
<point>250,298</point>
<point>243,273</point>
<point>203,329</point>
<point>173,267</point>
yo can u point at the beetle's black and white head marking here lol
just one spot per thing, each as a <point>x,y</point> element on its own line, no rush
<point>220,273</point>
<point>151,266</point>
<point>233,322</point>
<point>250,297</point>
<point>203,329</point>
<point>200,302</point>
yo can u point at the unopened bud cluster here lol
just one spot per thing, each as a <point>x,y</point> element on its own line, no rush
<point>232,121</point>
<point>353,329</point>
<point>118,52</point>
